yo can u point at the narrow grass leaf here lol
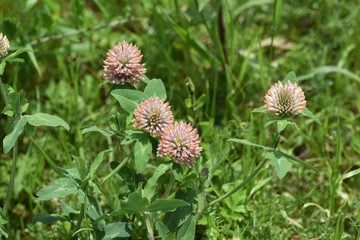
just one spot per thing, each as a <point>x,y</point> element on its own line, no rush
<point>350,174</point>
<point>44,119</point>
<point>10,139</point>
<point>33,59</point>
<point>165,205</point>
<point>155,88</point>
<point>323,70</point>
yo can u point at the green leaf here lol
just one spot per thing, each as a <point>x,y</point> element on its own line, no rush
<point>162,229</point>
<point>105,133</point>
<point>187,230</point>
<point>281,164</point>
<point>259,110</point>
<point>116,231</point>
<point>282,124</point>
<point>33,59</point>
<point>295,159</point>
<point>155,88</point>
<point>246,142</point>
<point>309,114</point>
<point>82,166</point>
<point>48,219</point>
<point>2,67</point>
<point>166,205</point>
<point>3,219</point>
<point>131,94</point>
<point>151,185</point>
<point>291,76</point>
<point>10,139</point>
<point>174,219</point>
<point>200,101</point>
<point>59,188</point>
<point>14,55</point>
<point>126,103</point>
<point>44,119</point>
<point>350,174</point>
<point>142,150</point>
<point>135,203</point>
<point>98,159</point>
<point>202,4</point>
<point>329,69</point>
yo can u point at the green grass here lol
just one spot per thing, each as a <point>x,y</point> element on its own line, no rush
<point>232,58</point>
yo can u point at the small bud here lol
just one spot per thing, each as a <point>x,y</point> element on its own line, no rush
<point>4,45</point>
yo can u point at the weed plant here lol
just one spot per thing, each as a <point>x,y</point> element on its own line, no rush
<point>85,156</point>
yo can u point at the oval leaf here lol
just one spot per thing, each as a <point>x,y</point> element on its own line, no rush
<point>281,164</point>
<point>44,119</point>
<point>187,230</point>
<point>10,140</point>
<point>59,188</point>
<point>142,150</point>
<point>118,230</point>
<point>105,133</point>
<point>166,205</point>
<point>155,88</point>
<point>126,103</point>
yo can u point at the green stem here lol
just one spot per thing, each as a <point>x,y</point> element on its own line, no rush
<point>115,170</point>
<point>241,185</point>
<point>3,93</point>
<point>150,231</point>
<point>81,216</point>
<point>10,189</point>
<point>14,158</point>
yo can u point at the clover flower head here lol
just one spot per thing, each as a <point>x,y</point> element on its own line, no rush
<point>180,142</point>
<point>152,116</point>
<point>285,100</point>
<point>123,64</point>
<point>4,45</point>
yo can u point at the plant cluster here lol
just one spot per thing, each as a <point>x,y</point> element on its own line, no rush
<point>152,154</point>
